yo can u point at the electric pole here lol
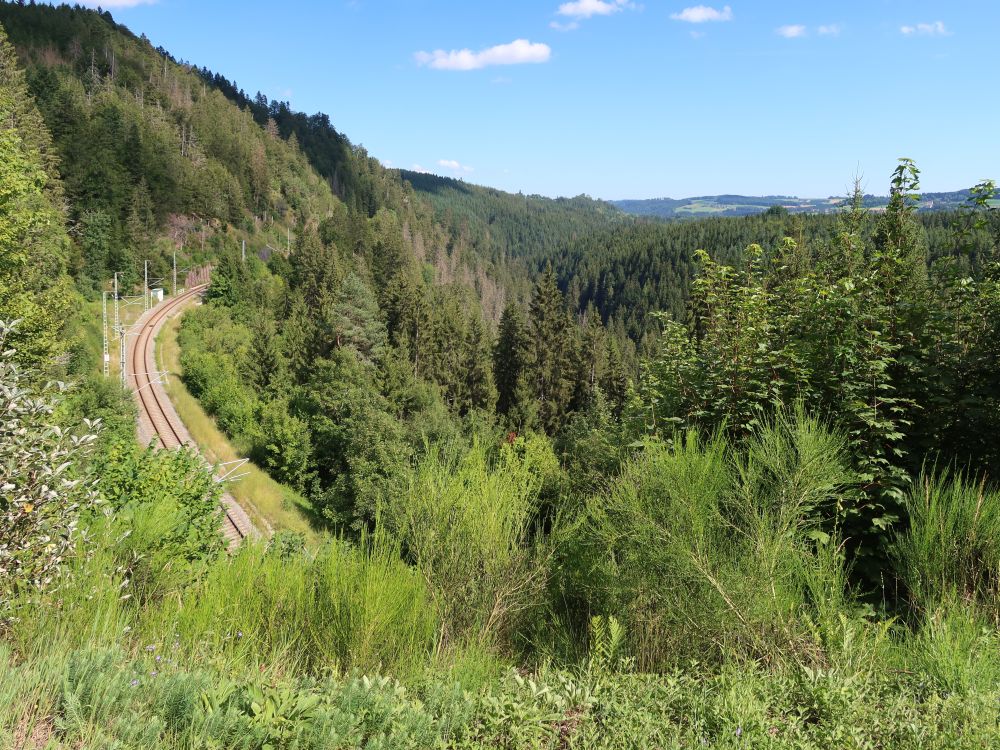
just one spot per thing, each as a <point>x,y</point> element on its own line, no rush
<point>175,273</point>
<point>120,333</point>
<point>104,332</point>
<point>243,253</point>
<point>121,357</point>
<point>117,321</point>
<point>145,285</point>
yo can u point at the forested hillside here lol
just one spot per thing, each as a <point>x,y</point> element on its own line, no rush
<point>151,151</point>
<point>146,151</point>
<point>627,267</point>
<point>513,231</point>
<point>34,247</point>
<point>773,523</point>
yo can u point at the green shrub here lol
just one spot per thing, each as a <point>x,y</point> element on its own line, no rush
<point>950,550</point>
<point>284,446</point>
<point>43,485</point>
<point>371,610</point>
<point>467,525</point>
<point>956,648</point>
<point>708,552</point>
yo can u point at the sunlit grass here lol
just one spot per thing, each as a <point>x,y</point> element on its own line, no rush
<point>261,496</point>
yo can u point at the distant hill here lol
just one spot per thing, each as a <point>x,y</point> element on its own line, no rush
<point>745,205</point>
<point>516,234</point>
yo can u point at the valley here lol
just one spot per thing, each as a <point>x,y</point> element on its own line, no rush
<point>403,461</point>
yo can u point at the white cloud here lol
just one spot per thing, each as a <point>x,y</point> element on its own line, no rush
<point>517,52</point>
<point>703,13</point>
<point>564,26</point>
<point>926,29</point>
<point>419,170</point>
<point>791,31</point>
<point>454,166</point>
<point>830,29</point>
<point>387,163</point>
<point>588,8</point>
<point>108,4</point>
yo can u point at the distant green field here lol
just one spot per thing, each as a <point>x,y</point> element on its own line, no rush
<point>740,205</point>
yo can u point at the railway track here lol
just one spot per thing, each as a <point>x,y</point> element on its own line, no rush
<point>157,418</point>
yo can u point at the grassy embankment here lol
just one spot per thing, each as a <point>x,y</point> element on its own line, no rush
<point>261,496</point>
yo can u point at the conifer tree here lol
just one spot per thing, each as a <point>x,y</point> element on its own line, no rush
<point>34,287</point>
<point>267,363</point>
<point>593,358</point>
<point>511,357</point>
<point>298,336</point>
<point>354,319</point>
<point>478,389</point>
<point>551,373</point>
<point>615,382</point>
<point>408,319</point>
<point>315,269</point>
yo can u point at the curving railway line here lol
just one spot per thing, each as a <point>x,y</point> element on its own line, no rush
<point>157,418</point>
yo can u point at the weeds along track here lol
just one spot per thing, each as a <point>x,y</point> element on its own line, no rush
<point>157,418</point>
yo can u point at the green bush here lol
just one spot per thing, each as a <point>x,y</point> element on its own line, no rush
<point>950,550</point>
<point>44,487</point>
<point>467,524</point>
<point>708,552</point>
<point>284,445</point>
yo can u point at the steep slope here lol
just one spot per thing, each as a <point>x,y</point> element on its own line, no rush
<point>34,286</point>
<point>327,363</point>
<point>517,233</point>
<point>151,156</point>
<point>158,155</point>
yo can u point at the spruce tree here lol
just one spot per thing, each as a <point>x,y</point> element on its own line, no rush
<point>511,356</point>
<point>315,270</point>
<point>552,367</point>
<point>477,376</point>
<point>592,361</point>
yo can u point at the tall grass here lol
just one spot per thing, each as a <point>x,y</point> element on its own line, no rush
<point>342,608</point>
<point>951,549</point>
<point>721,564</point>
<point>467,524</point>
<point>948,559</point>
<point>709,552</point>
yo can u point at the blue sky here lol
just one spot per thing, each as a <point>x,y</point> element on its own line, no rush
<point>622,99</point>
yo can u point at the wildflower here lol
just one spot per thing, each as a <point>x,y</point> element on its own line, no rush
<point>239,633</point>
<point>158,657</point>
<point>739,731</point>
<point>134,683</point>
<point>28,507</point>
<point>153,673</point>
<point>151,647</point>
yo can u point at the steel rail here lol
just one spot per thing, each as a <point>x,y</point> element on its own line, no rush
<point>143,361</point>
